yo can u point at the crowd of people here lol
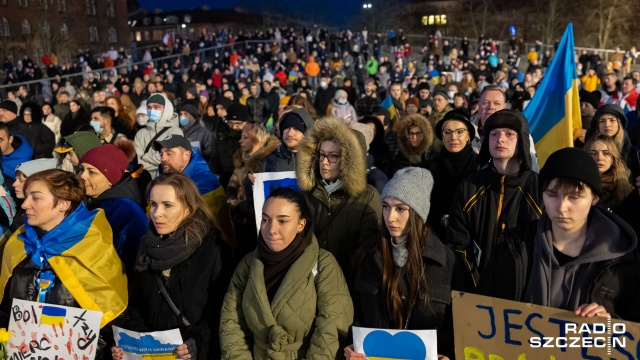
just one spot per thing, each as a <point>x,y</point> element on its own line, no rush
<point>410,184</point>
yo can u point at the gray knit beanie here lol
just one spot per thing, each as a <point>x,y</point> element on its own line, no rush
<point>412,186</point>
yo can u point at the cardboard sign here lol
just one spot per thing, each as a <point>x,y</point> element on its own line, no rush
<point>491,328</point>
<point>266,183</point>
<point>157,345</point>
<point>46,331</point>
<point>379,344</point>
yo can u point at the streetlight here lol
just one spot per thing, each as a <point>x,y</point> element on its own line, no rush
<point>366,6</point>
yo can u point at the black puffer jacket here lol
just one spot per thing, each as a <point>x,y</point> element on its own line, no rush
<point>40,137</point>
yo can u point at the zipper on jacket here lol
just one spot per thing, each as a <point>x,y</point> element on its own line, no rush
<point>501,197</point>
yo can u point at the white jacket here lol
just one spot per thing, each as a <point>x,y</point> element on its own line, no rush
<point>169,119</point>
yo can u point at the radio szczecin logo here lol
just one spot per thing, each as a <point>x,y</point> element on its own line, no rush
<point>596,335</point>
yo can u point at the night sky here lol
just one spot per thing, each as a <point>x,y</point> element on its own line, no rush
<point>334,12</point>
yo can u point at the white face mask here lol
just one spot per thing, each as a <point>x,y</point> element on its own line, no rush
<point>143,120</point>
<point>323,84</point>
<point>451,94</point>
<point>342,101</point>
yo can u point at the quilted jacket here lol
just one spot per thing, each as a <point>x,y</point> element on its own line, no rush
<point>308,318</point>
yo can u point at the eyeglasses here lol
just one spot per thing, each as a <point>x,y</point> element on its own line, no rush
<point>332,158</point>
<point>449,133</point>
<point>415,134</point>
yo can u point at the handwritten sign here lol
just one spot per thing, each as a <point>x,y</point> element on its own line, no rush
<point>491,328</point>
<point>157,345</point>
<point>52,332</point>
<point>379,344</point>
<point>266,183</point>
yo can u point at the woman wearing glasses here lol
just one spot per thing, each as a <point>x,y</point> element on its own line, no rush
<point>331,172</point>
<point>456,161</point>
<point>415,137</point>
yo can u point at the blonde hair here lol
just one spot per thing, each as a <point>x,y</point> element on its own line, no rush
<point>257,133</point>
<point>616,179</point>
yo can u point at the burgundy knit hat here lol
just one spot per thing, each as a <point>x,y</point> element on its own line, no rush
<point>111,161</point>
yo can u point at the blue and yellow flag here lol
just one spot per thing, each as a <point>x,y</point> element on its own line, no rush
<point>52,315</point>
<point>387,103</point>
<point>554,111</point>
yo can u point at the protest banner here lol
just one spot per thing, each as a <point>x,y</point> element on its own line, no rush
<point>45,331</point>
<point>383,344</point>
<point>266,183</point>
<point>157,345</point>
<point>496,329</point>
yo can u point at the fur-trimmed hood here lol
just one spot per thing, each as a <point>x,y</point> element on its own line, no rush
<point>353,166</point>
<point>255,160</point>
<point>414,154</point>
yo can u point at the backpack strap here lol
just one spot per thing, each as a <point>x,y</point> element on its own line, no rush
<point>158,134</point>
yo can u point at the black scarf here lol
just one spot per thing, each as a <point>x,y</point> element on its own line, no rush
<point>276,264</point>
<point>163,252</point>
<point>458,165</point>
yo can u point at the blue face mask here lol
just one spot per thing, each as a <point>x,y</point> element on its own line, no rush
<point>154,115</point>
<point>184,121</point>
<point>96,127</point>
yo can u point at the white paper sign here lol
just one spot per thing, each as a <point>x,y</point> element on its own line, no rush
<point>157,345</point>
<point>266,183</point>
<point>396,344</point>
<point>47,331</point>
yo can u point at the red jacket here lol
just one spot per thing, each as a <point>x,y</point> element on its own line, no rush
<point>282,77</point>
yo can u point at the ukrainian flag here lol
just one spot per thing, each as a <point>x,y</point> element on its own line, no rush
<point>554,111</point>
<point>52,315</point>
<point>387,103</point>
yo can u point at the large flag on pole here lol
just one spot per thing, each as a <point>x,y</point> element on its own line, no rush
<point>554,111</point>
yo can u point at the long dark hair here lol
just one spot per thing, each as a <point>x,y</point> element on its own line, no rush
<point>413,270</point>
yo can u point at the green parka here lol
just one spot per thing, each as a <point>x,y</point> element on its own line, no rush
<point>308,319</point>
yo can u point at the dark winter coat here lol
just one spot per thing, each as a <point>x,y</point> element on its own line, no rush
<point>196,286</point>
<point>40,137</point>
<point>351,215</point>
<point>439,266</point>
<point>448,170</point>
<point>323,99</point>
<point>259,109</point>
<point>417,156</point>
<point>488,202</point>
<point>606,272</point>
<point>71,123</point>
<point>128,222</point>
<point>224,146</point>
<point>201,140</point>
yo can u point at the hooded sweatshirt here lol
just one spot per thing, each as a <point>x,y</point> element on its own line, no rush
<point>566,286</point>
<point>151,159</point>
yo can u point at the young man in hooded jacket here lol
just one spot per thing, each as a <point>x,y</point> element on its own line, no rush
<point>578,256</point>
<point>501,195</point>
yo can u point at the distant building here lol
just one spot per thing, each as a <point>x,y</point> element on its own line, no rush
<point>62,27</point>
<point>151,28</point>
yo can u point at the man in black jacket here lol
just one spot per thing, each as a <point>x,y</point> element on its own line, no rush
<point>272,98</point>
<point>258,106</point>
<point>502,195</point>
<point>226,141</point>
<point>578,256</point>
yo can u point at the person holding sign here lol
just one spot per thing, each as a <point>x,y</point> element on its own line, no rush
<point>404,279</point>
<point>331,171</point>
<point>288,299</point>
<point>577,257</point>
<point>64,253</point>
<point>183,265</point>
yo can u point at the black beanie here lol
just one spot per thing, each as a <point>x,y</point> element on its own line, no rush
<point>9,106</point>
<point>509,119</point>
<point>591,97</point>
<point>292,120</point>
<point>424,86</point>
<point>383,111</point>
<point>611,109</point>
<point>572,163</point>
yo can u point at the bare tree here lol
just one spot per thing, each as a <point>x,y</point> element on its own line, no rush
<point>551,18</point>
<point>610,19</point>
<point>479,12</point>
